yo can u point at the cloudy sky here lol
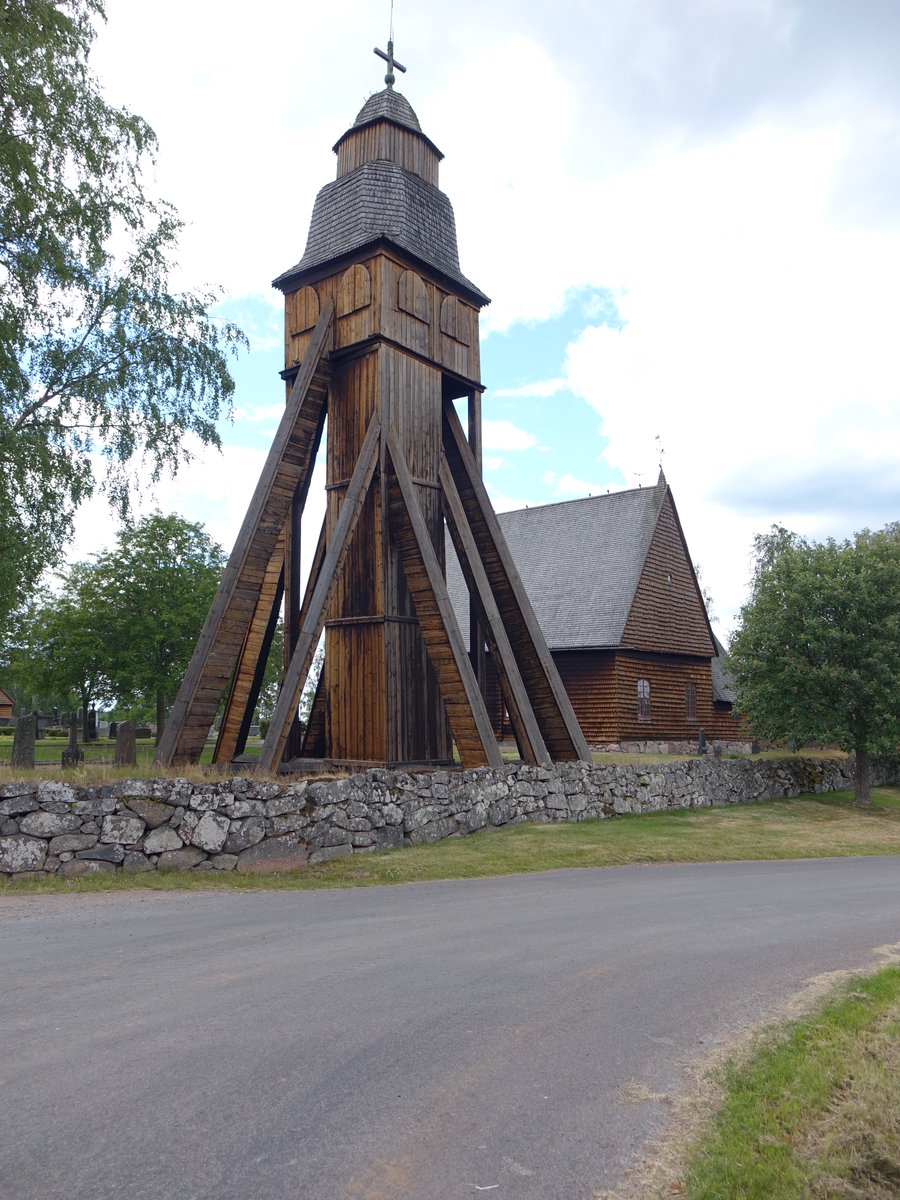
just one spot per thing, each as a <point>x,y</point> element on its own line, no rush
<point>686,213</point>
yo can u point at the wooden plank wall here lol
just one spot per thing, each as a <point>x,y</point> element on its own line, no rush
<point>667,615</point>
<point>406,307</point>
<point>602,686</point>
<point>383,140</point>
<point>667,677</point>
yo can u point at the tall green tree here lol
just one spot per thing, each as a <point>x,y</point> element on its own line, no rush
<point>60,647</point>
<point>98,353</point>
<point>155,589</point>
<point>817,654</point>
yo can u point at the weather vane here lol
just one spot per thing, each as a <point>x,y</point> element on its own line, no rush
<point>389,57</point>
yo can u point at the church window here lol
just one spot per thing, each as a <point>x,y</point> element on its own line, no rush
<point>643,689</point>
<point>690,701</point>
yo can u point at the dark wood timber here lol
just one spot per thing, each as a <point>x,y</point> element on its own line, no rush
<point>464,702</point>
<point>246,682</point>
<point>289,461</point>
<point>552,707</point>
<point>315,571</point>
<point>312,626</point>
<point>476,631</point>
<point>525,727</point>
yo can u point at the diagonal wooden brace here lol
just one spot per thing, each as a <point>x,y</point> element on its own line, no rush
<point>463,700</point>
<point>552,707</point>
<point>314,621</point>
<point>289,462</point>
<point>525,726</point>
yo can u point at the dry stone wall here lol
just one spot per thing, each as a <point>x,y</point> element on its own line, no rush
<point>246,825</point>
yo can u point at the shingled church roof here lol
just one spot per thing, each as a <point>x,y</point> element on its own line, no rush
<point>388,105</point>
<point>580,562</point>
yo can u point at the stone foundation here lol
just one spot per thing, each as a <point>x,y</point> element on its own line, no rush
<point>246,825</point>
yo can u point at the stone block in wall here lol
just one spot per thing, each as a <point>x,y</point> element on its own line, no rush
<point>52,791</point>
<point>44,824</point>
<point>17,806</point>
<point>244,834</point>
<point>152,812</point>
<point>223,862</point>
<point>211,832</point>
<point>80,866</point>
<point>286,853</point>
<point>435,831</point>
<point>162,839</point>
<point>94,806</point>
<point>326,853</point>
<point>71,842</point>
<point>123,828</point>
<point>134,862</point>
<point>180,860</point>
<point>20,853</point>
<point>114,852</point>
<point>389,837</point>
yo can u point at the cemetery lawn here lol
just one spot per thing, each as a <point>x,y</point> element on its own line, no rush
<point>48,751</point>
<point>812,826</point>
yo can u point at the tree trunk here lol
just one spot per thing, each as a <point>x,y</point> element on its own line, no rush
<point>85,722</point>
<point>160,715</point>
<point>863,776</point>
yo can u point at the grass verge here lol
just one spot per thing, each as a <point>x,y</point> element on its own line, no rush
<point>814,826</point>
<point>814,1113</point>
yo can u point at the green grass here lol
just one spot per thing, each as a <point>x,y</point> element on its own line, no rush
<point>48,753</point>
<point>814,826</point>
<point>815,1112</point>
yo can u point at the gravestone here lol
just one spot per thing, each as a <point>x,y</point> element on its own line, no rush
<point>92,724</point>
<point>701,742</point>
<point>23,742</point>
<point>126,745</point>
<point>72,756</point>
<point>113,726</point>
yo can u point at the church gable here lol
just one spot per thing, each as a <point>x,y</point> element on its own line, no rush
<point>667,615</point>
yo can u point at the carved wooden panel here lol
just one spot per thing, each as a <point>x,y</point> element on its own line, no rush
<point>354,290</point>
<point>412,295</point>
<point>456,320</point>
<point>301,311</point>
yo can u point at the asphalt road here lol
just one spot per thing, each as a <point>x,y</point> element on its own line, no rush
<point>425,1041</point>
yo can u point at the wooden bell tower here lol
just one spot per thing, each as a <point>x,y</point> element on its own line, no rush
<point>381,337</point>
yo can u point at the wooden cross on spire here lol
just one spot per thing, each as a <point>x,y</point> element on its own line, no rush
<point>391,62</point>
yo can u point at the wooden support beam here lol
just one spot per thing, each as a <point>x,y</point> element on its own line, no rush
<point>315,570</point>
<point>313,623</point>
<point>484,607</point>
<point>289,462</point>
<point>476,629</point>
<point>552,708</point>
<point>246,682</point>
<point>463,700</point>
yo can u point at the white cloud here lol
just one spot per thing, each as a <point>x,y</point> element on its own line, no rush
<point>260,412</point>
<point>504,435</point>
<point>541,388</point>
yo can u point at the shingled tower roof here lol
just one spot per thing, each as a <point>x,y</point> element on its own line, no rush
<point>385,193</point>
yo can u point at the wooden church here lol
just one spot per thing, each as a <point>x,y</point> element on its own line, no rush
<point>381,338</point>
<point>614,590</point>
